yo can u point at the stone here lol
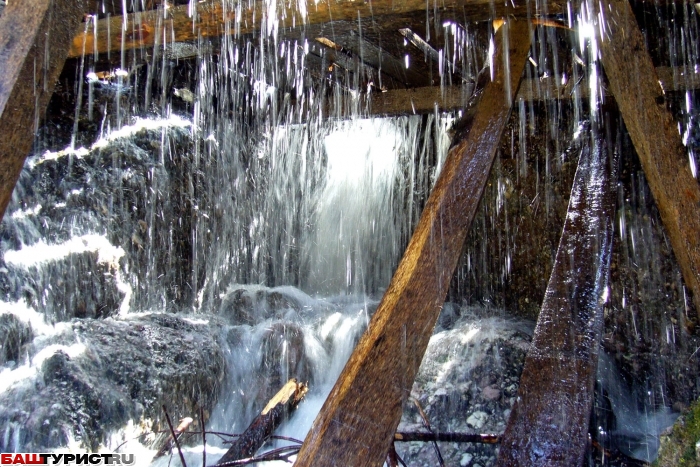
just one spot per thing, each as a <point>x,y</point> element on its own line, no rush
<point>465,460</point>
<point>96,375</point>
<point>477,420</point>
<point>491,393</point>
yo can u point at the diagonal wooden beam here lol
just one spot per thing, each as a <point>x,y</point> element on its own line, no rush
<point>34,39</point>
<point>211,19</point>
<point>357,422</point>
<point>635,84</point>
<point>550,419</point>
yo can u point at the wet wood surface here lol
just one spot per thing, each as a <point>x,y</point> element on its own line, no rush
<point>211,19</point>
<point>654,132</point>
<point>34,39</point>
<point>357,422</point>
<point>264,425</point>
<point>549,421</point>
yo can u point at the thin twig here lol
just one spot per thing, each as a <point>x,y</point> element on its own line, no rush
<point>135,437</point>
<point>287,438</point>
<point>426,424</point>
<point>204,437</point>
<point>279,454</point>
<point>221,433</point>
<point>391,457</point>
<point>172,432</point>
<point>403,464</point>
<point>448,437</point>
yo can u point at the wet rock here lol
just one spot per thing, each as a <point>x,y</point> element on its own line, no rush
<point>252,304</point>
<point>284,356</point>
<point>491,393</point>
<point>140,194</point>
<point>95,375</point>
<point>14,334</point>
<point>463,374</point>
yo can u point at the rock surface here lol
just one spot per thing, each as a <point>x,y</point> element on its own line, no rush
<point>93,376</point>
<point>467,383</point>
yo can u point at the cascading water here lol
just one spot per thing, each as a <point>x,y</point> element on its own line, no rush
<point>243,233</point>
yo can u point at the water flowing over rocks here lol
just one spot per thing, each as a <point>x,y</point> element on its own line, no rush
<point>111,222</point>
<point>92,376</point>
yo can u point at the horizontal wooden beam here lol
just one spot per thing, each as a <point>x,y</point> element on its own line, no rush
<point>34,39</point>
<point>357,422</point>
<point>448,98</point>
<point>211,19</point>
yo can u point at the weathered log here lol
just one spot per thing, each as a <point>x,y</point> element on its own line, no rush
<point>211,19</point>
<point>549,421</point>
<point>654,132</point>
<point>34,39</point>
<point>262,427</point>
<point>357,422</point>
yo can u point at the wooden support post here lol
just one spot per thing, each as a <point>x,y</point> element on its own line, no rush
<point>549,421</point>
<point>265,424</point>
<point>34,39</point>
<point>653,131</point>
<point>357,422</point>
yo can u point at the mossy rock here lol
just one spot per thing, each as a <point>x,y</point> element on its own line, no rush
<point>681,448</point>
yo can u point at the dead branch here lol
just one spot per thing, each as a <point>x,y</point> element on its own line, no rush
<point>449,437</point>
<point>426,424</point>
<point>261,429</point>
<point>175,434</point>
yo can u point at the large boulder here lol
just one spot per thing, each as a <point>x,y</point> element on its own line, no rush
<point>93,376</point>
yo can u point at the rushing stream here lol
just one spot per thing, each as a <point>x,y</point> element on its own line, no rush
<point>215,223</point>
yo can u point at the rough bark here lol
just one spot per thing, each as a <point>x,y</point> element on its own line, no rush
<point>548,425</point>
<point>635,84</point>
<point>357,422</point>
<point>34,39</point>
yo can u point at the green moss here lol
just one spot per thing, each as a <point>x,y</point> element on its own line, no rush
<point>679,448</point>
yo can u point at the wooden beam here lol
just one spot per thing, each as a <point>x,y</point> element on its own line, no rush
<point>357,422</point>
<point>377,58</point>
<point>34,39</point>
<point>549,422</point>
<point>448,98</point>
<point>211,19</point>
<point>635,84</point>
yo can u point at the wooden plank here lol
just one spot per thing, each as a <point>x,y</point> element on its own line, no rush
<point>549,422</point>
<point>635,84</point>
<point>357,422</point>
<point>211,19</point>
<point>34,39</point>
<point>447,98</point>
